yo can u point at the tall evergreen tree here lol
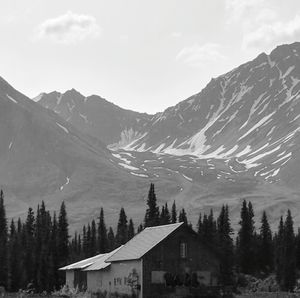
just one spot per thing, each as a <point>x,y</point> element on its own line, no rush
<point>84,242</point>
<point>53,255</point>
<point>265,249</point>
<point>225,247</point>
<point>279,252</point>
<point>88,241</point>
<point>246,240</point>
<point>199,225</point>
<point>122,229</point>
<point>3,242</point>
<point>298,250</point>
<point>102,234</point>
<point>289,266</point>
<point>173,213</point>
<point>29,233</point>
<point>182,216</point>
<point>93,244</point>
<point>110,240</point>
<point>131,232</point>
<point>140,228</point>
<point>152,212</point>
<point>62,238</point>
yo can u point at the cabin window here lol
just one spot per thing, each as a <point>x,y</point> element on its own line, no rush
<point>183,250</point>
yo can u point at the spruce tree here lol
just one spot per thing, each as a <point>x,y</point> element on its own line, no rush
<point>289,266</point>
<point>110,240</point>
<point>102,234</point>
<point>30,260</point>
<point>93,244</point>
<point>122,229</point>
<point>182,217</point>
<point>200,226</point>
<point>140,228</point>
<point>131,232</point>
<point>13,259</point>
<point>173,213</point>
<point>152,212</point>
<point>62,238</point>
<point>279,253</point>
<point>3,242</point>
<point>265,249</point>
<point>298,250</point>
<point>225,247</point>
<point>246,240</point>
<point>88,241</point>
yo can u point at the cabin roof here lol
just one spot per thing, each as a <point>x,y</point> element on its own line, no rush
<point>143,242</point>
<point>95,263</point>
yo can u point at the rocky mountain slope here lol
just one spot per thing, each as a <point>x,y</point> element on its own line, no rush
<point>94,115</point>
<point>238,138</point>
<point>43,157</point>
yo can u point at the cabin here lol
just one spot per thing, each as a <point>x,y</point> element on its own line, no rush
<point>167,260</point>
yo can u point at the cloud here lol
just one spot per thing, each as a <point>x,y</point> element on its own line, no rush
<point>69,28</point>
<point>198,56</point>
<point>238,10</point>
<point>270,34</point>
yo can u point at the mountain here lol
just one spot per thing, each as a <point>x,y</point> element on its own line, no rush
<point>94,115</point>
<point>43,157</point>
<point>238,138</point>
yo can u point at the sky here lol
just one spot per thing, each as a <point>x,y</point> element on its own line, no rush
<point>141,55</point>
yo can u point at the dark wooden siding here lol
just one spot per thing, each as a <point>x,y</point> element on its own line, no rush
<point>166,257</point>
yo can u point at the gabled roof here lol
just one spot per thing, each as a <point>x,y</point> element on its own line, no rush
<point>143,242</point>
<point>101,263</point>
<point>97,261</point>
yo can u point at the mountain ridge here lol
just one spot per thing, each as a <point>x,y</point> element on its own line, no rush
<point>238,138</point>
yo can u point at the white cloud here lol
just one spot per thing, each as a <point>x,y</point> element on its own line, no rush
<point>69,28</point>
<point>238,10</point>
<point>198,56</point>
<point>268,35</point>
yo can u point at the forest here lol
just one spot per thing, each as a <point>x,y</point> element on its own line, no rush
<point>32,250</point>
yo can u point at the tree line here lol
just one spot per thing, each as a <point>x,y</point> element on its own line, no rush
<point>31,251</point>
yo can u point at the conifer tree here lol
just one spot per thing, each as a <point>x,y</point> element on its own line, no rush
<point>110,240</point>
<point>122,229</point>
<point>102,234</point>
<point>289,267</point>
<point>265,249</point>
<point>182,217</point>
<point>88,241</point>
<point>298,250</point>
<point>93,244</point>
<point>62,238</point>
<point>131,232</point>
<point>279,252</point>
<point>152,212</point>
<point>29,233</point>
<point>3,242</point>
<point>167,218</point>
<point>53,255</point>
<point>173,213</point>
<point>225,247</point>
<point>84,242</point>
<point>13,259</point>
<point>200,225</point>
<point>140,228</point>
<point>246,240</point>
